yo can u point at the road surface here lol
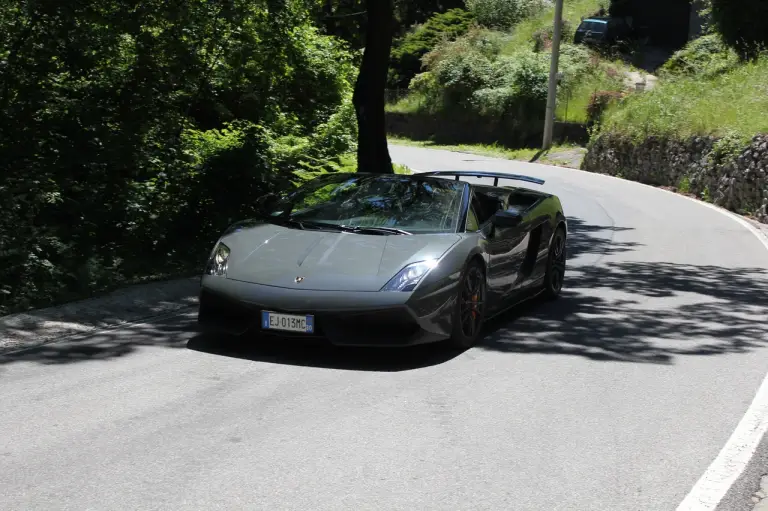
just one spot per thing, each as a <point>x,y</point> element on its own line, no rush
<point>617,397</point>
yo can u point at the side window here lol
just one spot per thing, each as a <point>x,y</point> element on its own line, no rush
<point>472,223</point>
<point>485,206</point>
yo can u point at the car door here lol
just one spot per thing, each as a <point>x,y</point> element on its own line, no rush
<point>505,246</point>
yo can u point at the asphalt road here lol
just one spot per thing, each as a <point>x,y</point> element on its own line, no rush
<point>616,397</point>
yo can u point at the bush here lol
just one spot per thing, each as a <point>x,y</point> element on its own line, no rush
<point>135,146</point>
<point>518,87</point>
<point>706,56</point>
<point>405,61</point>
<point>427,90</point>
<point>463,66</point>
<point>599,102</point>
<point>503,14</point>
<point>530,78</point>
<point>575,61</point>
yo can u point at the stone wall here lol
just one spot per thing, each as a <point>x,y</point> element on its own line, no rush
<point>736,180</point>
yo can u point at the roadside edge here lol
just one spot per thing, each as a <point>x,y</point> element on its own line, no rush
<point>124,306</point>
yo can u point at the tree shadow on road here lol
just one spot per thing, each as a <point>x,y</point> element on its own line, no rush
<point>640,312</point>
<point>117,342</point>
<point>585,238</point>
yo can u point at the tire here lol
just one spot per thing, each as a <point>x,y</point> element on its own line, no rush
<point>556,263</point>
<point>469,312</point>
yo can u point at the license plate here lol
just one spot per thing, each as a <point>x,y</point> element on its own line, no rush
<point>287,322</point>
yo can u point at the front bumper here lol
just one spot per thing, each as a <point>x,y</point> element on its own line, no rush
<point>341,318</point>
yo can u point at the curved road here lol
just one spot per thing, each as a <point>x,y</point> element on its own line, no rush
<point>616,397</point>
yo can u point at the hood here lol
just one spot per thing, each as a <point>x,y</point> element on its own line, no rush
<point>274,255</point>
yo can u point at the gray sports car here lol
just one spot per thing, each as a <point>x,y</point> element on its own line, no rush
<point>386,260</point>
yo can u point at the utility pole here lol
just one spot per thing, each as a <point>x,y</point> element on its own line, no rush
<point>549,121</point>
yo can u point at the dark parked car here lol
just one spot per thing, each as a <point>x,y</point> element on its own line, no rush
<point>601,31</point>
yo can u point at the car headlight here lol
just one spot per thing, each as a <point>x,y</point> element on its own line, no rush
<point>410,276</point>
<point>217,263</point>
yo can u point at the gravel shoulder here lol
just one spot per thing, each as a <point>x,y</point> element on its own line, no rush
<point>115,309</point>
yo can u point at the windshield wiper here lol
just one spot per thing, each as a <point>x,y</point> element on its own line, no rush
<point>375,230</point>
<point>305,224</point>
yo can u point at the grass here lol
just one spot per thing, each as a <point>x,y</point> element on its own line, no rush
<point>561,155</point>
<point>408,104</point>
<point>606,77</point>
<point>573,10</point>
<point>521,38</point>
<point>732,104</point>
<point>401,169</point>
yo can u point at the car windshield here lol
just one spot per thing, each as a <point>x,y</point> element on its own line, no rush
<point>408,203</point>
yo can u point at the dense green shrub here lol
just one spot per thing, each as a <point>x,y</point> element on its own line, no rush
<point>140,131</point>
<point>575,61</point>
<point>504,14</point>
<point>470,74</point>
<point>598,102</point>
<point>407,52</point>
<point>519,88</point>
<point>705,56</point>
<point>463,66</point>
<point>427,89</point>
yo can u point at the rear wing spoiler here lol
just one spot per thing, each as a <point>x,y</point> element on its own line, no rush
<point>481,174</point>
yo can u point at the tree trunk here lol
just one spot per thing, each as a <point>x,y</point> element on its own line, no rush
<point>368,99</point>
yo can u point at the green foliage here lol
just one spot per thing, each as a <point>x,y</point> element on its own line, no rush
<point>478,72</point>
<point>576,61</point>
<point>408,51</point>
<point>519,87</point>
<point>504,73</point>
<point>734,102</point>
<point>542,38</point>
<point>582,79</point>
<point>503,14</point>
<point>524,33</point>
<point>471,74</point>
<point>425,93</point>
<point>346,19</point>
<point>463,66</point>
<point>141,129</point>
<point>706,56</point>
<point>742,25</point>
<point>599,102</point>
<point>728,147</point>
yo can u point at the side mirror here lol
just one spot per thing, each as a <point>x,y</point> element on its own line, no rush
<point>266,202</point>
<point>509,218</point>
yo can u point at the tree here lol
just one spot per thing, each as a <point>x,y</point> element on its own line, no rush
<point>368,98</point>
<point>742,25</point>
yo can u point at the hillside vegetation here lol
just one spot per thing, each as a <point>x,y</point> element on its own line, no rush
<point>704,90</point>
<point>499,66</point>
